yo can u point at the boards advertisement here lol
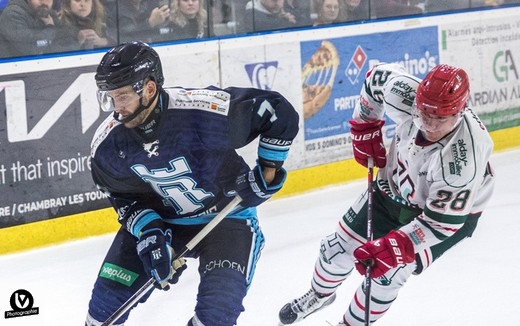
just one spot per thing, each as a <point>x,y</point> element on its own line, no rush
<point>49,112</point>
<point>333,71</point>
<point>49,120</point>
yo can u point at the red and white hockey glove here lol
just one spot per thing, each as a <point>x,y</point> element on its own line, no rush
<point>367,141</point>
<point>385,253</point>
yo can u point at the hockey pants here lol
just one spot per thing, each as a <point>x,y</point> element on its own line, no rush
<point>336,261</point>
<point>227,259</point>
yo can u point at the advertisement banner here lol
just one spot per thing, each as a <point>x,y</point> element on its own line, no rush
<point>48,119</point>
<point>271,66</point>
<point>333,71</point>
<point>488,51</point>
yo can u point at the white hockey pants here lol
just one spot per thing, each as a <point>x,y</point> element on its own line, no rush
<point>335,264</point>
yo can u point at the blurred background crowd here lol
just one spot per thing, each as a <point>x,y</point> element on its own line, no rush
<point>35,27</point>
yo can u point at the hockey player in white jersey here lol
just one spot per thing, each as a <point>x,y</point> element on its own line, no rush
<point>430,189</point>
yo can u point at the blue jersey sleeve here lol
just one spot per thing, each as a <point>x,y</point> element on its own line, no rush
<point>269,116</point>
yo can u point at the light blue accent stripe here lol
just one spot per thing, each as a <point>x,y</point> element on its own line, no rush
<point>142,220</point>
<point>272,155</point>
<point>258,245</point>
<point>239,213</point>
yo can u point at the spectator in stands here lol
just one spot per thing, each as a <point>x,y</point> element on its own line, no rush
<point>301,10</point>
<point>221,20</point>
<point>188,20</point>
<point>355,10</point>
<point>84,21</point>
<point>28,27</point>
<point>142,20</point>
<point>327,12</point>
<point>394,8</point>
<point>445,5</point>
<point>262,15</point>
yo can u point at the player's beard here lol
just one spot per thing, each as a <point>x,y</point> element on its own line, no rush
<point>139,119</point>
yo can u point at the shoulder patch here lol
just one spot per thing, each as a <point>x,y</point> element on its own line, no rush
<point>458,158</point>
<point>101,133</point>
<point>467,152</point>
<point>216,101</point>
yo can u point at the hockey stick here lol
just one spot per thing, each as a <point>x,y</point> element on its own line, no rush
<point>149,285</point>
<point>370,236</point>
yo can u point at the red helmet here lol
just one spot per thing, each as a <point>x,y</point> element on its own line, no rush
<point>443,92</point>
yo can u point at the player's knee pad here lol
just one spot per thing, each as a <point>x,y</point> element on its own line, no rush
<point>220,296</point>
<point>334,264</point>
<point>336,250</point>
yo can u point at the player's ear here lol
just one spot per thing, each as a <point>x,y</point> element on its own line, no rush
<point>150,88</point>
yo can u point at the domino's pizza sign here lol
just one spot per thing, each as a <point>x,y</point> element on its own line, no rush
<point>333,71</point>
<point>356,64</point>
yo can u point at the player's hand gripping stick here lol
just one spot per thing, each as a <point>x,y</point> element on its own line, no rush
<point>149,285</point>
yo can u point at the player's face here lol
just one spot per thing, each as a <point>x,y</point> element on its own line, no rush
<point>125,101</point>
<point>435,127</point>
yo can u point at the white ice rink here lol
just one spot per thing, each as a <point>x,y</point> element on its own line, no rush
<point>474,284</point>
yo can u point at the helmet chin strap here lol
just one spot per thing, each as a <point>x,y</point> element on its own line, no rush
<point>140,109</point>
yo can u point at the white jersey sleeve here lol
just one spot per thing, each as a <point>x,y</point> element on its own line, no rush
<point>389,89</point>
<point>448,180</point>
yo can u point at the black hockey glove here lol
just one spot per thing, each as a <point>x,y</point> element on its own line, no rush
<point>155,251</point>
<point>252,188</point>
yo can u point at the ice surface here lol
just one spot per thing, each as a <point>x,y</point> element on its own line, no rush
<point>473,284</point>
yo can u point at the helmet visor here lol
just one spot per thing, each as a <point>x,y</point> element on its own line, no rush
<point>434,126</point>
<point>123,98</point>
<point>106,102</point>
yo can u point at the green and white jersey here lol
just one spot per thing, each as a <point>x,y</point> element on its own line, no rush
<point>448,180</point>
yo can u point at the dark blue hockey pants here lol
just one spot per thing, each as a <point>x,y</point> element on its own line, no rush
<point>227,258</point>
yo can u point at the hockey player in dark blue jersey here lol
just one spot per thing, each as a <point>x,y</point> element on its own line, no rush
<point>167,160</point>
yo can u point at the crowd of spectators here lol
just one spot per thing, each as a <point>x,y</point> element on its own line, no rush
<point>34,27</point>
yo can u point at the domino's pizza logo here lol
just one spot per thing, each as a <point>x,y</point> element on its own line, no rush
<point>22,303</point>
<point>262,74</point>
<point>354,67</point>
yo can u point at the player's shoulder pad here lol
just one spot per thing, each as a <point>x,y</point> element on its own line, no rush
<point>210,99</point>
<point>467,150</point>
<point>102,132</point>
